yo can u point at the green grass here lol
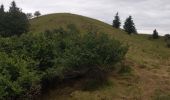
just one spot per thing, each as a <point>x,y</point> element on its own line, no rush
<point>150,58</point>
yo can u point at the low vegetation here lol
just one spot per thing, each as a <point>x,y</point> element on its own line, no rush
<point>29,61</point>
<point>147,60</point>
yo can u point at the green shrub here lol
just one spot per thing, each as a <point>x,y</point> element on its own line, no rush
<point>167,37</point>
<point>93,50</point>
<point>15,76</point>
<point>31,61</point>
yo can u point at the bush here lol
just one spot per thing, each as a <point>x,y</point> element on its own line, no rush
<point>167,37</point>
<point>83,53</point>
<point>15,76</point>
<point>30,61</point>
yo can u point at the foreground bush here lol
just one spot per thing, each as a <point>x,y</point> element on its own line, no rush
<point>30,61</point>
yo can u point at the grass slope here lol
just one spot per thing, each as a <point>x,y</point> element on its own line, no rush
<point>150,58</point>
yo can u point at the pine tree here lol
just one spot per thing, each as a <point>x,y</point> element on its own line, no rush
<point>16,21</point>
<point>13,8</point>
<point>129,26</point>
<point>2,9</point>
<point>2,16</point>
<point>116,21</point>
<point>155,34</point>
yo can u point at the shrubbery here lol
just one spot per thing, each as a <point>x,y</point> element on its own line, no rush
<point>26,62</point>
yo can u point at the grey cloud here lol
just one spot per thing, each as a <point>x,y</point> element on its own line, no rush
<point>147,14</point>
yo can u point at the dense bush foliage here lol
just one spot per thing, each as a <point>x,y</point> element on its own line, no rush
<point>29,60</point>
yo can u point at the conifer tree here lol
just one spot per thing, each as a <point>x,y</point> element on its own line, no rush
<point>116,21</point>
<point>13,8</point>
<point>155,34</point>
<point>17,21</point>
<point>129,26</point>
<point>2,16</point>
<point>2,9</point>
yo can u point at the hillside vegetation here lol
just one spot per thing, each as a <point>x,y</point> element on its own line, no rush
<point>149,59</point>
<point>143,50</point>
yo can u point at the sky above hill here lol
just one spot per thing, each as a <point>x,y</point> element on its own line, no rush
<point>147,14</point>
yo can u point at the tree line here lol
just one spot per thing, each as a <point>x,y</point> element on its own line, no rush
<point>16,22</point>
<point>129,26</point>
<point>13,22</point>
<point>36,14</point>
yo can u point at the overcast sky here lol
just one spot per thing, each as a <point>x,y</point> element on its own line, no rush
<point>147,14</point>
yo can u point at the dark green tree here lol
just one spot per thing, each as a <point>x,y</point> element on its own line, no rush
<point>167,37</point>
<point>2,16</point>
<point>13,8</point>
<point>37,14</point>
<point>2,9</point>
<point>129,26</point>
<point>155,34</point>
<point>16,21</point>
<point>116,21</point>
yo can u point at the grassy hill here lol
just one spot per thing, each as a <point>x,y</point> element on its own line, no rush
<point>150,60</point>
